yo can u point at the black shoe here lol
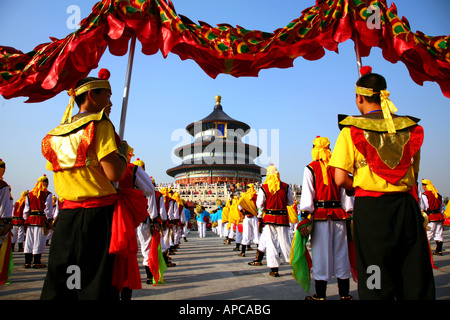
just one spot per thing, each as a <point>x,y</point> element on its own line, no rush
<point>274,274</point>
<point>314,297</point>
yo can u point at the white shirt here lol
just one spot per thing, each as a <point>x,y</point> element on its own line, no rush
<point>261,200</point>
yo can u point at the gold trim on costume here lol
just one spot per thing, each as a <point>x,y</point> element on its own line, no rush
<point>66,128</point>
<point>378,125</point>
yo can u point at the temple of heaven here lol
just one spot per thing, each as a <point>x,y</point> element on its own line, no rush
<point>217,153</point>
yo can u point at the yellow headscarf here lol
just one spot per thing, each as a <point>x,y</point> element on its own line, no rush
<point>387,106</point>
<point>140,163</point>
<point>321,152</point>
<point>176,196</point>
<point>272,179</point>
<point>165,193</point>
<point>39,186</point>
<point>429,186</point>
<point>22,198</point>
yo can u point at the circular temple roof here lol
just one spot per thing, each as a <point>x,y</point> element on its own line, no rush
<point>218,115</point>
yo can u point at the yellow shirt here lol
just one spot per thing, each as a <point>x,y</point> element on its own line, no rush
<point>78,184</point>
<point>345,156</point>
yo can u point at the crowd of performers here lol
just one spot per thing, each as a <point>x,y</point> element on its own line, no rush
<point>241,219</point>
<point>324,216</point>
<point>357,208</point>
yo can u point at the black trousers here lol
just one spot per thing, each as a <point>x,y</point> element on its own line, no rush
<point>81,239</point>
<point>392,252</point>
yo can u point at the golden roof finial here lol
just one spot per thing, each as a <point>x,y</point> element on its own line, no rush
<point>218,98</point>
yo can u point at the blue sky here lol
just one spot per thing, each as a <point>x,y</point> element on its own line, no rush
<point>166,95</point>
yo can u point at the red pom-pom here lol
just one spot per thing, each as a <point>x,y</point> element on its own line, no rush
<point>104,74</point>
<point>365,70</point>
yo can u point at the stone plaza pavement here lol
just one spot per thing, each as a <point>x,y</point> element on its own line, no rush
<point>207,269</point>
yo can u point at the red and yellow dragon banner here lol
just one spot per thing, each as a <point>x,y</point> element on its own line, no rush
<point>56,66</point>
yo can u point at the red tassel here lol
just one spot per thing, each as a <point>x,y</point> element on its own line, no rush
<point>365,70</point>
<point>104,74</point>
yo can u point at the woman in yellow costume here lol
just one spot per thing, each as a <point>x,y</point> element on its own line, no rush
<point>247,204</point>
<point>225,222</point>
<point>236,217</point>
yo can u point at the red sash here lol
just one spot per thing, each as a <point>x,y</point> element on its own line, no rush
<point>130,209</point>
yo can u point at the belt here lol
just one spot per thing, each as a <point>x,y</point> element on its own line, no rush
<point>37,213</point>
<point>277,212</point>
<point>433,211</point>
<point>327,204</point>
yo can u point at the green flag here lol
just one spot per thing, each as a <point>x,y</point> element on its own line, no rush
<point>300,261</point>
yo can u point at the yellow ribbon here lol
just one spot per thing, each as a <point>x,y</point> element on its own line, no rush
<point>388,108</point>
<point>68,112</point>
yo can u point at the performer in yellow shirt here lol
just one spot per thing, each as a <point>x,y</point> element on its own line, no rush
<point>382,152</point>
<point>83,152</point>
